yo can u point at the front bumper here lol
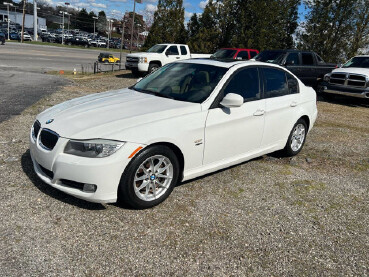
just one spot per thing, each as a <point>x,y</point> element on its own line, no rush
<point>142,67</point>
<point>346,91</point>
<point>55,167</point>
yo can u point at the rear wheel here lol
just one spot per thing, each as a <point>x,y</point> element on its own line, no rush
<point>149,178</point>
<point>296,139</point>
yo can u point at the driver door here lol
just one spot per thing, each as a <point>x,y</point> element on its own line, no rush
<point>172,54</point>
<point>232,133</point>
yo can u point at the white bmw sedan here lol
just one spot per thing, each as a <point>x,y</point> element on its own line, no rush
<point>185,120</point>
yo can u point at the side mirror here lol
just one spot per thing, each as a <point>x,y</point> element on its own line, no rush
<point>289,63</point>
<point>232,100</point>
<point>138,80</point>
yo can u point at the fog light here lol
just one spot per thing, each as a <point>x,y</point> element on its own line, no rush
<point>89,188</point>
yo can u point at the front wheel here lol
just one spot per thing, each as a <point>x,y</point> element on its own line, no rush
<point>149,178</point>
<point>296,139</point>
<point>153,67</point>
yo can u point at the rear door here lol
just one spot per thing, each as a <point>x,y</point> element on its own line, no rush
<point>281,92</point>
<point>308,69</point>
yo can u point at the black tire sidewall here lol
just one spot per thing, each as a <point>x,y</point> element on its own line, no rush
<point>126,191</point>
<point>288,150</point>
<point>152,66</point>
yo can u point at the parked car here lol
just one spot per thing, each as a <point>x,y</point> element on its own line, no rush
<point>2,38</point>
<point>159,55</point>
<point>98,43</point>
<point>235,53</point>
<point>78,41</point>
<point>14,36</point>
<point>187,119</point>
<point>352,79</point>
<point>107,58</point>
<point>308,66</point>
<point>26,36</point>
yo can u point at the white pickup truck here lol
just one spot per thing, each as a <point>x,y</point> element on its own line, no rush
<point>352,79</point>
<point>159,55</point>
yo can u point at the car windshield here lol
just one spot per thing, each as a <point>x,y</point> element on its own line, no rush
<point>182,81</point>
<point>224,54</point>
<point>157,49</point>
<point>362,62</point>
<point>269,56</point>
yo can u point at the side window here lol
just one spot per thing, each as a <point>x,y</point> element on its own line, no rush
<point>293,59</point>
<point>173,50</point>
<point>244,55</point>
<point>183,50</point>
<point>307,59</point>
<point>293,84</point>
<point>320,60</point>
<point>253,54</point>
<point>275,83</point>
<point>245,83</point>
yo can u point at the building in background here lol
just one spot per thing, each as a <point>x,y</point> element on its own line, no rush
<point>17,18</point>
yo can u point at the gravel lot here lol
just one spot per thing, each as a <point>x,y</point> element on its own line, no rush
<point>306,216</point>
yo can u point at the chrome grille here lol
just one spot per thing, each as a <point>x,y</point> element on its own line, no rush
<point>338,78</point>
<point>346,79</point>
<point>48,139</point>
<point>132,60</point>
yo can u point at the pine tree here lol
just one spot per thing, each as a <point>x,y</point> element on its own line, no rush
<point>329,27</point>
<point>168,25</point>
<point>102,22</point>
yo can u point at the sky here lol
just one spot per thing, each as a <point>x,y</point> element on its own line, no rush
<point>116,8</point>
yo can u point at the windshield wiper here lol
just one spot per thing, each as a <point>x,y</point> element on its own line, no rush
<point>147,91</point>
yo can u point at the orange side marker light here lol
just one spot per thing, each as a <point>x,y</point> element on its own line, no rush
<point>134,152</point>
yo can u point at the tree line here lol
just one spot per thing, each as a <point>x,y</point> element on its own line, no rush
<point>335,29</point>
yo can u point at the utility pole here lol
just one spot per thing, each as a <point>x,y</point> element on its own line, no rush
<point>24,18</point>
<point>35,20</point>
<point>62,27</point>
<point>122,42</point>
<point>95,18</point>
<point>67,4</point>
<point>8,5</point>
<point>133,21</point>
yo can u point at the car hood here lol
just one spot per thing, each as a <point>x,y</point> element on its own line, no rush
<point>107,115</point>
<point>356,70</point>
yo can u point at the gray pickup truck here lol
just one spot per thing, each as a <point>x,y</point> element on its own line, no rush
<point>308,66</point>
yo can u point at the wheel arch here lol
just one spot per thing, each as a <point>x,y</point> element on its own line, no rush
<point>156,62</point>
<point>307,120</point>
<point>177,151</point>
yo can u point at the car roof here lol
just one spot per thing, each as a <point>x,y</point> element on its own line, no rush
<point>225,63</point>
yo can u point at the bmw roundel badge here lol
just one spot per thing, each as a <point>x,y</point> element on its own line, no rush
<point>49,121</point>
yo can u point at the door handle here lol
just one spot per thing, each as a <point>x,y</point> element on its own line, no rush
<point>293,104</point>
<point>259,113</point>
<point>177,58</point>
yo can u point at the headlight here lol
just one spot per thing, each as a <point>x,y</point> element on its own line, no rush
<point>327,77</point>
<point>143,60</point>
<point>97,148</point>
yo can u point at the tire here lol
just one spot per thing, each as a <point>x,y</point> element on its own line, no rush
<point>296,139</point>
<point>153,67</point>
<point>146,192</point>
<point>327,96</point>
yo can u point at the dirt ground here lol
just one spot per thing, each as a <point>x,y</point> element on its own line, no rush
<point>305,216</point>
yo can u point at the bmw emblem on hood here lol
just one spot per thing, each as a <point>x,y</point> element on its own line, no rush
<point>49,121</point>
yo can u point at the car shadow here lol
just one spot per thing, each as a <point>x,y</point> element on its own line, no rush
<point>127,75</point>
<point>27,167</point>
<point>346,101</point>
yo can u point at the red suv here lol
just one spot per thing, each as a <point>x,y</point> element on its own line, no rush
<point>235,53</point>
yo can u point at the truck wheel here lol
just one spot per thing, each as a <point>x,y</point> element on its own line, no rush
<point>153,67</point>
